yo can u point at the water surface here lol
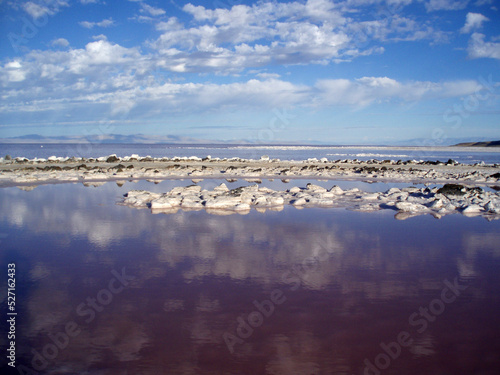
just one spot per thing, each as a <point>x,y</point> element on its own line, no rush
<point>467,155</point>
<point>311,291</point>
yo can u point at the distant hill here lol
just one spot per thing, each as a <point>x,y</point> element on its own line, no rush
<point>478,144</point>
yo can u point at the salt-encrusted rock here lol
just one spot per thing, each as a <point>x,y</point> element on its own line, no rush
<point>408,201</point>
<point>140,198</point>
<point>265,190</point>
<point>133,193</point>
<point>161,203</point>
<point>191,203</point>
<point>223,202</point>
<point>315,188</point>
<point>325,195</point>
<point>299,202</point>
<point>275,201</point>
<point>491,207</point>
<point>336,190</point>
<point>221,187</point>
<point>447,208</point>
<point>474,208</point>
<point>437,204</point>
<point>191,189</point>
<point>251,188</point>
<point>318,201</point>
<point>262,201</point>
<point>242,207</point>
<point>392,191</point>
<point>409,207</point>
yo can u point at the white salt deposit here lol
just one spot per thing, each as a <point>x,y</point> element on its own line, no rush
<point>408,202</point>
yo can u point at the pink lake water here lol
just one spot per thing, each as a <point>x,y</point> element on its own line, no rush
<point>107,289</point>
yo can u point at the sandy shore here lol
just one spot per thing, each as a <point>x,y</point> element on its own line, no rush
<point>25,172</point>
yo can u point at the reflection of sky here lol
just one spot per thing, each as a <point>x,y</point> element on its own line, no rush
<point>197,273</point>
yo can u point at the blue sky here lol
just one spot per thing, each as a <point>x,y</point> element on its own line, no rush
<point>336,72</point>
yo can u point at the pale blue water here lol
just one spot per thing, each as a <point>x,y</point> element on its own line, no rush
<point>462,155</point>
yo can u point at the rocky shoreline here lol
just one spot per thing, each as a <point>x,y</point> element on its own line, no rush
<point>461,193</point>
<point>407,202</point>
<point>25,172</point>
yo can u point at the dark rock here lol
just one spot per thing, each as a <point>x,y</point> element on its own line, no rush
<point>495,175</point>
<point>8,157</point>
<point>456,189</point>
<point>452,189</point>
<point>112,159</point>
<point>52,168</point>
<point>236,192</point>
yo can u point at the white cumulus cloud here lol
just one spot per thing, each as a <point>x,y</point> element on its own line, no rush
<point>479,48</point>
<point>104,23</point>
<point>316,31</point>
<point>152,10</point>
<point>368,90</point>
<point>473,21</point>
<point>60,42</point>
<point>435,5</point>
<point>41,8</point>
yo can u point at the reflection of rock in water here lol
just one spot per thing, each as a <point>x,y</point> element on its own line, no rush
<point>94,184</point>
<point>27,188</point>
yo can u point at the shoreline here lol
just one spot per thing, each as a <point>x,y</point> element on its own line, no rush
<point>25,172</point>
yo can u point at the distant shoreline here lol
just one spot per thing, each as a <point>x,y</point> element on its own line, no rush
<point>41,143</point>
<point>478,144</point>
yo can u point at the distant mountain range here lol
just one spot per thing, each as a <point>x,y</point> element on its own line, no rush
<point>173,139</point>
<point>107,139</point>
<point>478,144</point>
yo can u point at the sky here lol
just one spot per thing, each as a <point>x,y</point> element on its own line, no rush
<point>303,71</point>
